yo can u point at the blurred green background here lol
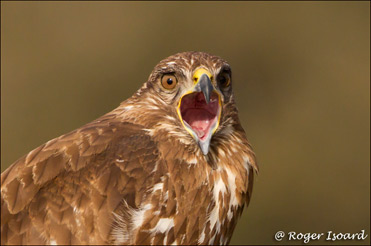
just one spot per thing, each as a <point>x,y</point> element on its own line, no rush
<point>301,80</point>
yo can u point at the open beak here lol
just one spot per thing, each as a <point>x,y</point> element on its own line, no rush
<point>199,109</point>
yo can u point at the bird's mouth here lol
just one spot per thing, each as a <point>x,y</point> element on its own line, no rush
<point>199,111</point>
<point>199,116</point>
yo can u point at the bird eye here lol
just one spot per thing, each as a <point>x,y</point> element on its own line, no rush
<point>224,80</point>
<point>169,81</point>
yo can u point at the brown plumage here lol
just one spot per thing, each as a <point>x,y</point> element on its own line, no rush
<point>170,165</point>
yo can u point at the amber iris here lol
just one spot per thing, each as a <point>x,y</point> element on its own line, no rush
<point>169,81</point>
<point>224,79</point>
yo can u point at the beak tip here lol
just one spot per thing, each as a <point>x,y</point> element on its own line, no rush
<point>205,152</point>
<point>204,146</point>
<point>207,98</point>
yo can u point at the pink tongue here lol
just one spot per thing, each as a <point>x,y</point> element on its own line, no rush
<point>200,127</point>
<point>199,120</point>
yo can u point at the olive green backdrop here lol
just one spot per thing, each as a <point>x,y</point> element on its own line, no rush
<point>301,80</point>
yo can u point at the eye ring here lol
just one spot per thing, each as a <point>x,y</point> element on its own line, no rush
<point>169,81</point>
<point>224,79</point>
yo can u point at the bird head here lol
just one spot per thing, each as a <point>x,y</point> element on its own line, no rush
<point>197,88</point>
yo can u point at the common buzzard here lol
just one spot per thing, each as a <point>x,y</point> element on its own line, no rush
<point>170,165</point>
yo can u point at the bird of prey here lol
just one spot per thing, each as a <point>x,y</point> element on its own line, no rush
<point>169,165</point>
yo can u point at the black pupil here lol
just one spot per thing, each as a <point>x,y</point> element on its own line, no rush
<point>223,80</point>
<point>169,81</point>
